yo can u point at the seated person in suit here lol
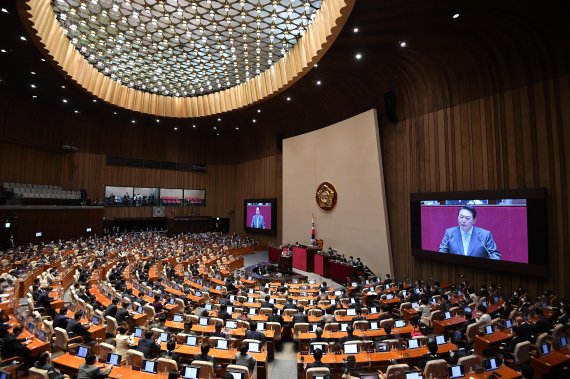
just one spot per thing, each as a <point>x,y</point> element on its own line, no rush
<point>44,363</point>
<point>469,240</point>
<point>432,355</point>
<point>112,308</point>
<point>276,317</point>
<point>266,303</point>
<point>203,356</point>
<point>300,316</point>
<point>317,355</point>
<point>349,336</point>
<point>253,333</point>
<point>245,359</point>
<point>147,345</point>
<point>75,328</point>
<point>89,370</point>
<point>223,313</point>
<point>218,332</point>
<point>319,336</point>
<point>61,319</point>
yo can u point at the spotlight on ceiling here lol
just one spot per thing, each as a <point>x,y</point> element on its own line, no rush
<point>403,44</point>
<point>456,15</point>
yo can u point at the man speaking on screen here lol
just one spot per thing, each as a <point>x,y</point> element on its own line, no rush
<point>257,220</point>
<point>469,240</point>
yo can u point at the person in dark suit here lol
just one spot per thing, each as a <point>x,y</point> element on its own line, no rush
<point>317,355</point>
<point>300,316</point>
<point>542,325</point>
<point>61,319</point>
<point>122,315</point>
<point>203,356</point>
<point>257,220</point>
<point>112,308</point>
<point>147,345</point>
<point>14,346</point>
<point>245,359</point>
<point>218,332</point>
<point>432,355</point>
<point>266,303</point>
<point>89,370</point>
<point>276,317</point>
<point>289,304</point>
<point>44,363</point>
<point>253,333</point>
<point>223,313</point>
<point>469,240</point>
<point>75,328</point>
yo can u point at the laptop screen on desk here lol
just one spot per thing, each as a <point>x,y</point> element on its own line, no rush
<point>447,315</point>
<point>139,332</point>
<point>440,340</point>
<point>178,318</point>
<point>545,349</point>
<point>351,348</point>
<point>489,329</point>
<point>82,351</point>
<point>164,337</point>
<point>231,324</point>
<point>456,372</point>
<point>414,375</point>
<point>254,347</point>
<point>114,359</point>
<point>351,312</point>
<point>413,344</point>
<point>318,346</point>
<point>95,320</point>
<point>563,341</point>
<point>149,366</point>
<point>191,372</point>
<point>399,323</point>
<point>203,321</point>
<point>222,344</point>
<point>374,325</point>
<point>191,341</point>
<point>490,364</point>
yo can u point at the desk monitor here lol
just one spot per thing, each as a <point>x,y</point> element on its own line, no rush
<point>232,297</point>
<point>31,327</point>
<point>222,344</point>
<point>545,349</point>
<point>95,320</point>
<point>508,324</point>
<point>333,301</point>
<point>149,366</point>
<point>140,309</point>
<point>82,351</point>
<point>351,348</point>
<point>191,372</point>
<point>413,344</point>
<point>447,316</point>
<point>203,321</point>
<point>389,296</point>
<point>315,346</point>
<point>415,305</point>
<point>374,325</point>
<point>150,293</point>
<point>272,301</point>
<point>343,327</point>
<point>230,309</point>
<point>208,307</point>
<point>414,375</point>
<point>261,326</point>
<point>171,301</point>
<point>191,341</point>
<point>489,329</point>
<point>313,328</point>
<point>254,347</point>
<point>237,375</point>
<point>440,340</point>
<point>251,300</point>
<point>198,293</point>
<point>42,336</point>
<point>139,332</point>
<point>164,337</point>
<point>373,310</point>
<point>563,341</point>
<point>382,346</point>
<point>484,303</point>
<point>490,364</point>
<point>251,290</point>
<point>218,287</point>
<point>399,323</point>
<point>231,324</point>
<point>250,278</point>
<point>467,310</point>
<point>178,318</point>
<point>5,374</point>
<point>351,312</point>
<point>114,359</point>
<point>338,293</point>
<point>456,371</point>
<point>253,311</point>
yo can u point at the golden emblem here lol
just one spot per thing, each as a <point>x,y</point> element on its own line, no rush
<point>326,196</point>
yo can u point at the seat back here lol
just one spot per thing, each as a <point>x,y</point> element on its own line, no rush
<point>471,332</point>
<point>104,350</point>
<point>469,362</point>
<point>542,339</point>
<point>206,368</point>
<point>167,365</point>
<point>61,338</point>
<point>37,373</point>
<point>135,358</point>
<point>276,327</point>
<point>111,325</point>
<point>317,371</point>
<point>238,368</point>
<point>397,371</point>
<point>521,353</point>
<point>300,326</point>
<point>436,369</point>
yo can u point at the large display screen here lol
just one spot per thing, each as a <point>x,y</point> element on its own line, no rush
<point>506,227</point>
<point>260,215</point>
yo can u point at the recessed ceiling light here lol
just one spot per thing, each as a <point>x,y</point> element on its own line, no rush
<point>403,44</point>
<point>114,112</point>
<point>254,121</point>
<point>193,126</point>
<point>2,50</point>
<point>33,73</point>
<point>215,128</point>
<point>157,120</point>
<point>4,10</point>
<point>35,96</point>
<point>219,119</point>
<point>94,100</point>
<point>288,98</point>
<point>237,128</point>
<point>62,86</point>
<point>43,60</point>
<point>355,30</point>
<point>64,100</point>
<point>76,111</point>
<point>358,56</point>
<point>217,134</point>
<point>175,128</point>
<point>33,85</point>
<point>316,65</point>
<point>456,15</point>
<point>133,121</point>
<point>23,38</point>
<point>259,111</point>
<point>319,82</point>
